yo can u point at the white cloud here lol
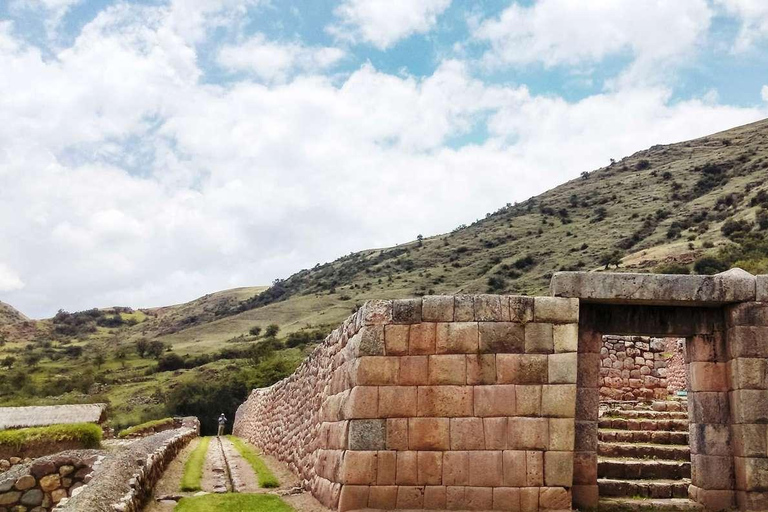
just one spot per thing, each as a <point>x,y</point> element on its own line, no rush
<point>383,23</point>
<point>128,180</point>
<point>753,16</point>
<point>764,92</point>
<point>8,280</point>
<point>276,62</point>
<point>573,32</point>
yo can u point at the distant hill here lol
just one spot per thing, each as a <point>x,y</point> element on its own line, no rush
<point>9,315</point>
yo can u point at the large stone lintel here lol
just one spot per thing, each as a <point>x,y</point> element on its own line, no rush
<point>729,287</point>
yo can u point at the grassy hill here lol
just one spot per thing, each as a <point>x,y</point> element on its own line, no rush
<point>9,315</point>
<point>700,205</point>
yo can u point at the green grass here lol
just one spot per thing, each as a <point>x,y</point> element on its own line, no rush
<point>86,433</point>
<point>266,478</point>
<point>193,469</point>
<point>233,503</point>
<point>145,426</point>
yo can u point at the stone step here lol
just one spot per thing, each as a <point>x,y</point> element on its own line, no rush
<point>642,436</point>
<point>634,469</point>
<point>643,424</point>
<point>658,505</point>
<point>645,451</point>
<point>653,415</point>
<point>659,489</point>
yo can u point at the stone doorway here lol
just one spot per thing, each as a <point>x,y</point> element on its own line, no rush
<point>726,331</point>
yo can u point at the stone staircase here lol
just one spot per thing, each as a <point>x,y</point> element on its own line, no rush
<point>644,457</point>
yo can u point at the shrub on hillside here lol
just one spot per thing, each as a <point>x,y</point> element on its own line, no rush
<point>170,362</point>
<point>709,265</point>
<point>673,268</point>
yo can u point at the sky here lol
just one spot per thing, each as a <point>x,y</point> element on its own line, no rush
<point>154,151</point>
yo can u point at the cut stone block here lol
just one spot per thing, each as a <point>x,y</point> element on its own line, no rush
<point>387,468</point>
<point>377,371</point>
<point>502,337</point>
<point>528,400</point>
<point>556,310</point>
<point>486,468</point>
<point>562,368</point>
<point>456,468</point>
<point>429,433</point>
<point>732,286</point>
<point>566,337</point>
<point>398,401</point>
<point>406,311</point>
<point>457,338</point>
<point>407,468</point>
<point>353,497</point>
<point>367,435</point>
<point>495,400</point>
<point>414,370</point>
<point>539,338</point>
<point>562,434</point>
<point>558,469</point>
<point>522,368</point>
<point>437,308</point>
<point>421,339</point>
<point>527,433</point>
<point>448,369</point>
<point>430,468</point>
<point>434,497</point>
<point>359,468</point>
<point>467,434</point>
<point>445,401</point>
<point>558,400</point>
<point>762,288</point>
<point>377,312</point>
<point>712,472</point>
<point>396,339</point>
<point>514,468</point>
<point>409,497</point>
<point>521,309</point>
<point>371,341</point>
<point>464,310</point>
<point>382,497</point>
<point>491,308</point>
<point>481,369</point>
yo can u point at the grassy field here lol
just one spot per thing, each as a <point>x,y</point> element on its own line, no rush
<point>193,468</point>
<point>266,478</point>
<point>233,503</point>
<point>665,205</point>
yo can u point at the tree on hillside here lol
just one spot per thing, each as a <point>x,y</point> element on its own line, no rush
<point>121,355</point>
<point>272,330</point>
<point>255,330</point>
<point>611,258</point>
<point>155,348</point>
<point>141,347</point>
<point>9,361</point>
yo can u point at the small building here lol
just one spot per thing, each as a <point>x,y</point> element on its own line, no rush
<point>42,416</point>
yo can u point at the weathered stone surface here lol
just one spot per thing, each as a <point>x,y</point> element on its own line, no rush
<point>406,311</point>
<point>368,434</point>
<point>502,337</point>
<point>32,497</point>
<point>762,288</point>
<point>25,482</point>
<point>732,286</point>
<point>539,338</point>
<point>437,308</point>
<point>556,310</point>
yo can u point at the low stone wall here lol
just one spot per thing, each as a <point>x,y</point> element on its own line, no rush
<point>37,449</point>
<point>458,403</point>
<point>125,479</point>
<point>40,484</point>
<point>6,464</point>
<point>637,367</point>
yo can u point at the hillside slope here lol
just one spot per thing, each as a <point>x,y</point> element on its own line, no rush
<point>9,315</point>
<point>661,206</point>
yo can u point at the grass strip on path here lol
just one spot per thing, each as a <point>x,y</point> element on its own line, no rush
<point>266,478</point>
<point>233,503</point>
<point>22,439</point>
<point>149,425</point>
<point>193,468</point>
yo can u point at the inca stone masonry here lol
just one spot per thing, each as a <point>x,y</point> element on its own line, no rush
<point>491,402</point>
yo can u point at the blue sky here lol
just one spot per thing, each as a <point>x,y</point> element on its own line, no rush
<point>154,151</point>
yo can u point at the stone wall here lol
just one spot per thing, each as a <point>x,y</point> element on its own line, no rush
<point>40,484</point>
<point>125,479</point>
<point>638,367</point>
<point>460,403</point>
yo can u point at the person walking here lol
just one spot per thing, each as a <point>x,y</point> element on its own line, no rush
<point>222,424</point>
